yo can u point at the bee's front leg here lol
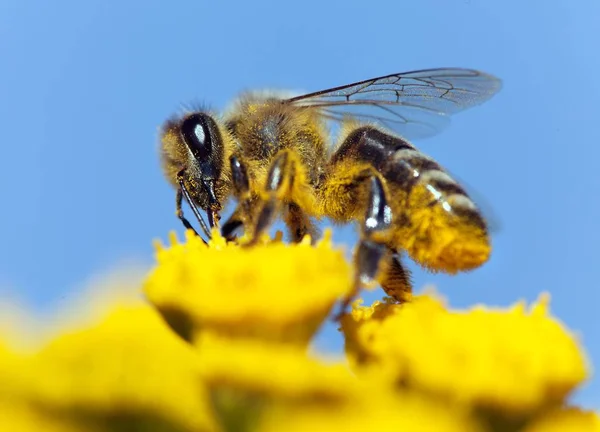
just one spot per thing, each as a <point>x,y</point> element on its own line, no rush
<point>241,190</point>
<point>181,193</point>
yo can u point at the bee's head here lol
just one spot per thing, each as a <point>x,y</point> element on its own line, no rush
<point>202,139</point>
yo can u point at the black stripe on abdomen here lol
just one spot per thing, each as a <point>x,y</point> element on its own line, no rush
<point>402,164</point>
<point>370,145</point>
<point>408,168</point>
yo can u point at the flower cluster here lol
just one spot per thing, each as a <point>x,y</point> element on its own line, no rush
<point>220,342</point>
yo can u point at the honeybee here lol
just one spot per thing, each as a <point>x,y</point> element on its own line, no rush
<point>274,155</point>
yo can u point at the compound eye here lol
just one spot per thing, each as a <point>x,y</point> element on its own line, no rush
<point>196,135</point>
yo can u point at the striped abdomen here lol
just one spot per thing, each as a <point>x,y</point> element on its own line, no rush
<point>435,221</point>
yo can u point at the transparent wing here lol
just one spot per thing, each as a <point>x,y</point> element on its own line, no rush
<point>416,104</point>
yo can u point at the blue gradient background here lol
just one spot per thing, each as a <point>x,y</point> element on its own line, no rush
<point>85,85</point>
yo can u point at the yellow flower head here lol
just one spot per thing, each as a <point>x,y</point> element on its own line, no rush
<point>274,370</point>
<point>18,417</point>
<point>129,369</point>
<point>271,291</point>
<point>566,420</point>
<point>515,360</point>
<point>377,411</point>
<point>265,386</point>
<point>250,312</point>
<point>249,378</point>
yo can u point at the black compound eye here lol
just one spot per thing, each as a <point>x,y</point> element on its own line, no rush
<point>196,134</point>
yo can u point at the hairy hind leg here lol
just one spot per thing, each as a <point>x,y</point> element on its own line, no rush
<point>395,278</point>
<point>374,260</point>
<point>355,191</point>
<point>370,253</point>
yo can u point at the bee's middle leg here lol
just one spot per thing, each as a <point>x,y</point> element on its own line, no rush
<point>280,179</point>
<point>299,223</point>
<point>257,213</point>
<point>286,191</point>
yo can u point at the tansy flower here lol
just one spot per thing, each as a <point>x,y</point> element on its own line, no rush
<point>265,386</point>
<point>566,420</point>
<point>249,378</point>
<point>515,360</point>
<point>19,417</point>
<point>271,291</point>
<point>128,371</point>
<point>375,411</point>
<point>272,370</point>
<point>250,313</point>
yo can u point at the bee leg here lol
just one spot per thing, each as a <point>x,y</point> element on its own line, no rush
<point>278,175</point>
<point>179,211</point>
<point>241,191</point>
<point>184,193</point>
<point>182,218</point>
<point>395,278</point>
<point>230,226</point>
<point>372,252</point>
<point>299,224</point>
<point>212,213</point>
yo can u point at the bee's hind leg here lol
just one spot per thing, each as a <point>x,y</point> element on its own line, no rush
<point>374,260</point>
<point>395,278</point>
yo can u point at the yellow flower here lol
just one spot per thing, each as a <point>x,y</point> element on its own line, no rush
<point>280,387</point>
<point>375,412</point>
<point>273,370</point>
<point>516,360</point>
<point>18,417</point>
<point>272,291</point>
<point>250,313</point>
<point>248,378</point>
<point>566,420</point>
<point>128,370</point>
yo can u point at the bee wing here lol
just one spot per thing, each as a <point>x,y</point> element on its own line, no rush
<point>416,104</point>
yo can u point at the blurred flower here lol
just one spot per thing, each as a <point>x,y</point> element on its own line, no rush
<point>566,420</point>
<point>19,417</point>
<point>273,370</point>
<point>273,291</point>
<point>128,371</point>
<point>266,386</point>
<point>514,359</point>
<point>249,378</point>
<point>376,411</point>
<point>250,313</point>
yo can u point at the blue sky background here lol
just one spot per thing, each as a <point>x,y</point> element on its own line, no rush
<point>85,85</point>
